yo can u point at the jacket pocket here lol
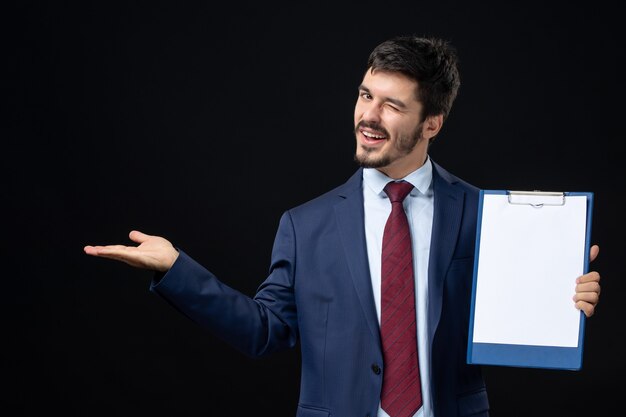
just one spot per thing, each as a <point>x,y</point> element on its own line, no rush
<point>306,411</point>
<point>474,404</point>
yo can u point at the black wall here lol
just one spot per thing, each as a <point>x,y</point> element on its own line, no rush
<point>144,115</point>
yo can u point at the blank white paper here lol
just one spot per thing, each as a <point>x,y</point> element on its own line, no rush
<point>528,262</point>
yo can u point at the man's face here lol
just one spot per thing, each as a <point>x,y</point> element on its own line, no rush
<point>387,124</point>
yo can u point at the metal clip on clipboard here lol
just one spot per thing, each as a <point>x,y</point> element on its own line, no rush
<point>537,199</point>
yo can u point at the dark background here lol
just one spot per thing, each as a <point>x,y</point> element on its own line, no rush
<point>145,115</point>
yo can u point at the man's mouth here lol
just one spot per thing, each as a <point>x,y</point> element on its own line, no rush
<point>370,137</point>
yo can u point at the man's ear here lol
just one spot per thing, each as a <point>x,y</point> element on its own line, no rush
<point>432,126</point>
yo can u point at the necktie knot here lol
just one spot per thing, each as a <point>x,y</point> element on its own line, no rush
<point>397,191</point>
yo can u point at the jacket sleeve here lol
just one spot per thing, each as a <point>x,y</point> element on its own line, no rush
<point>255,326</point>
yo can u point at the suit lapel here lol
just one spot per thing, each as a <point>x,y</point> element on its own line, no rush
<point>447,216</point>
<point>350,220</point>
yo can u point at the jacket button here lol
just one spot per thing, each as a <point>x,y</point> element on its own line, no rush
<point>376,369</point>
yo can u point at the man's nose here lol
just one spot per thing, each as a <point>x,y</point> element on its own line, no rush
<point>372,113</point>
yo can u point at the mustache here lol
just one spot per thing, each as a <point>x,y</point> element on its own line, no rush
<point>373,126</point>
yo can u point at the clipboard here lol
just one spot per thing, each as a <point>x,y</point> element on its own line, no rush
<point>530,248</point>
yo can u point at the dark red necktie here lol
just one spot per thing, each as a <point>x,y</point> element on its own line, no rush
<point>401,393</point>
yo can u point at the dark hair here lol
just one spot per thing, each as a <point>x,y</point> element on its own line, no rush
<point>432,62</point>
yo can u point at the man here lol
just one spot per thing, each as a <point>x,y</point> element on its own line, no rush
<point>327,280</point>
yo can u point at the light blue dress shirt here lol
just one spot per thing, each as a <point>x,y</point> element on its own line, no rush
<point>419,208</point>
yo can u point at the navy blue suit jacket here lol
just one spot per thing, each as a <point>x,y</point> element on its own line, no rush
<point>319,291</point>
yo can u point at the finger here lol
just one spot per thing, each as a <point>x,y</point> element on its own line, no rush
<point>90,250</point>
<point>592,276</point>
<point>593,252</point>
<point>587,308</point>
<point>588,287</point>
<point>107,250</point>
<point>138,237</point>
<point>126,254</point>
<point>127,259</point>
<point>587,297</point>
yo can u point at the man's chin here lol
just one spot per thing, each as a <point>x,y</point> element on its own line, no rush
<point>368,161</point>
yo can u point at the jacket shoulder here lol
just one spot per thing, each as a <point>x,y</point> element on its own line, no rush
<point>329,198</point>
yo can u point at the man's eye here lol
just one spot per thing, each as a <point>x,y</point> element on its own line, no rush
<point>394,108</point>
<point>366,96</point>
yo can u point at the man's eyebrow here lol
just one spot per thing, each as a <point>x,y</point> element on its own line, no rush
<point>389,99</point>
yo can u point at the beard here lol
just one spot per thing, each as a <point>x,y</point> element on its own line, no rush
<point>402,146</point>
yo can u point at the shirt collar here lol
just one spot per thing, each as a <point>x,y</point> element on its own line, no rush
<point>420,179</point>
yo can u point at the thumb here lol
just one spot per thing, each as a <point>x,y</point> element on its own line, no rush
<point>138,237</point>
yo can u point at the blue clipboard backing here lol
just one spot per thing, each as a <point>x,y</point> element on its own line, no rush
<point>528,356</point>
